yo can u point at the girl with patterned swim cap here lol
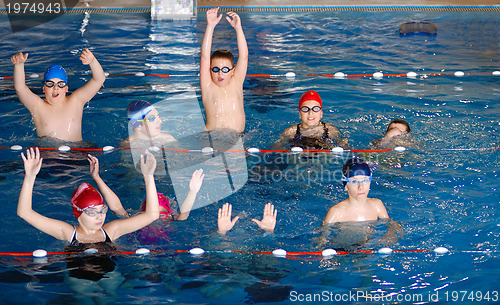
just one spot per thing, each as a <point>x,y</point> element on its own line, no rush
<point>312,133</point>
<point>88,207</point>
<point>356,177</point>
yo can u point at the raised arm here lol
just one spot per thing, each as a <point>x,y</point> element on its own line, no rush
<point>268,221</point>
<point>194,188</point>
<point>53,227</point>
<point>110,197</point>
<point>26,96</point>
<point>242,63</point>
<point>120,227</point>
<point>206,47</point>
<point>90,89</point>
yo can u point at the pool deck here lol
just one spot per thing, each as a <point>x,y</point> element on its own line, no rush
<point>326,3</point>
<point>144,5</point>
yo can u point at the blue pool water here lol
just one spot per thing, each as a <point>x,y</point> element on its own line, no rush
<point>443,190</point>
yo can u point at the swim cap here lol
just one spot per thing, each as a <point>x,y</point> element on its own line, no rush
<point>162,202</point>
<point>310,95</point>
<point>355,167</point>
<point>55,71</point>
<point>138,110</point>
<point>85,196</point>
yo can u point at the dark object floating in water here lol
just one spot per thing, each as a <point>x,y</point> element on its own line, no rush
<point>417,27</point>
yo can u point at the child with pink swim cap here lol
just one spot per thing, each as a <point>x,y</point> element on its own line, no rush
<point>88,206</point>
<point>155,232</point>
<point>311,133</point>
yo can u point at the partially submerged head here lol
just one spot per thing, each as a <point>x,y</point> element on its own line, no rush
<point>221,67</point>
<point>87,200</point>
<point>354,170</point>
<point>401,127</point>
<point>165,210</point>
<point>310,108</point>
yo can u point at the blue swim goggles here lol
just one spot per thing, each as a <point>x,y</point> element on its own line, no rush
<point>355,181</point>
<point>224,69</point>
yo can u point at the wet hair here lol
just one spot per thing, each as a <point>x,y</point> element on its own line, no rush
<point>399,121</point>
<point>355,167</point>
<point>222,54</point>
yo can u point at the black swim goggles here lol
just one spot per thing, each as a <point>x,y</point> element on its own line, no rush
<point>307,109</point>
<point>224,69</point>
<point>50,84</point>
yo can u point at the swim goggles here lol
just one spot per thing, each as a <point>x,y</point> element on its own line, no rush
<point>150,119</point>
<point>50,84</point>
<point>224,69</point>
<point>91,211</point>
<point>355,181</point>
<point>307,109</point>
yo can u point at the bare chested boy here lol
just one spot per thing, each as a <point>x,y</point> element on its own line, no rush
<point>221,81</point>
<point>57,115</point>
<point>358,207</point>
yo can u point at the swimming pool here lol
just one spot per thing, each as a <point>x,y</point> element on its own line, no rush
<point>443,190</point>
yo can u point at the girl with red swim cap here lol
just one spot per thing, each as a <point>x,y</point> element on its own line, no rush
<point>88,207</point>
<point>312,133</point>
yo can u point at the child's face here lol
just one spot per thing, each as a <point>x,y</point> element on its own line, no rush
<point>54,92</point>
<point>152,123</point>
<point>396,129</point>
<point>220,78</point>
<point>164,213</point>
<point>94,222</point>
<point>310,118</point>
<point>359,190</point>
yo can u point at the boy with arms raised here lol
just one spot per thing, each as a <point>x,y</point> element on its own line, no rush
<point>57,115</point>
<point>221,81</point>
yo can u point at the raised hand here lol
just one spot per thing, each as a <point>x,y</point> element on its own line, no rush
<point>268,221</point>
<point>196,180</point>
<point>234,21</point>
<point>148,164</point>
<point>212,18</point>
<point>87,57</point>
<point>19,58</point>
<point>224,221</point>
<point>94,166</point>
<point>32,162</point>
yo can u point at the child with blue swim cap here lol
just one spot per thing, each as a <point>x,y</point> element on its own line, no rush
<point>58,115</point>
<point>356,177</point>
